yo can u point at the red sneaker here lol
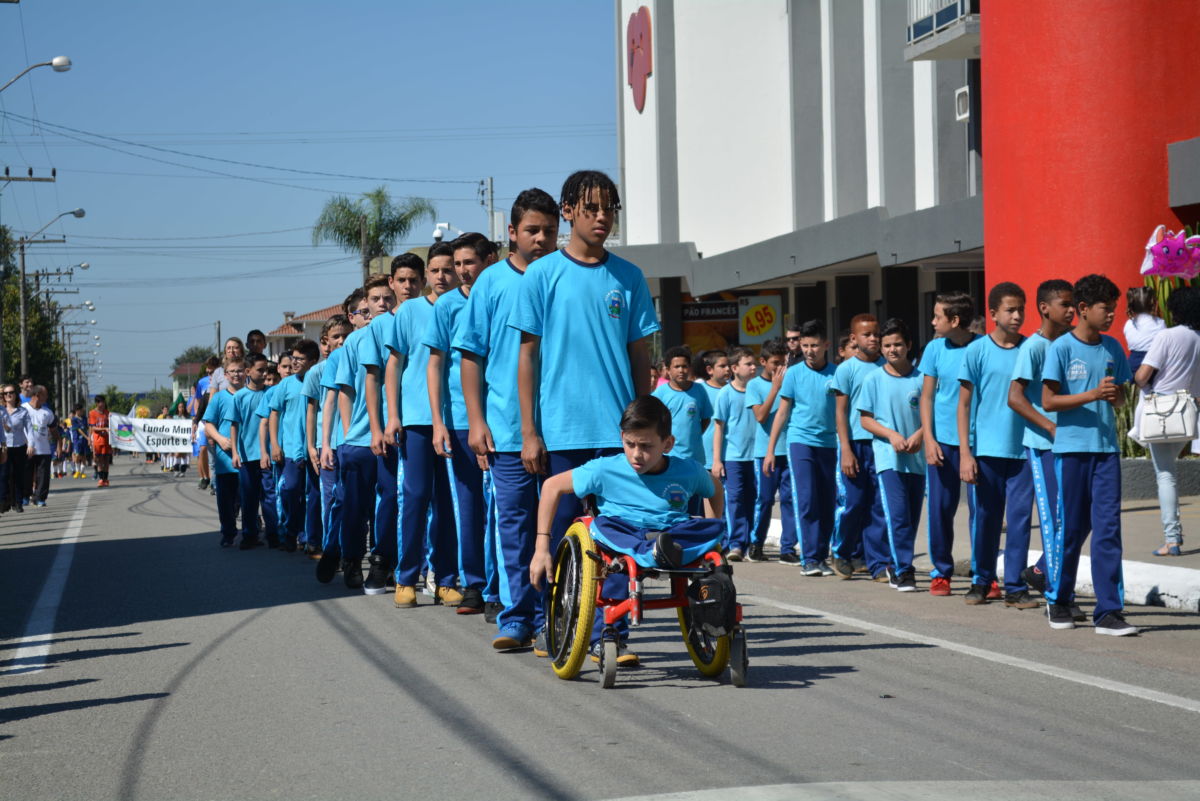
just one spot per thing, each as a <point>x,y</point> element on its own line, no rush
<point>939,586</point>
<point>994,594</point>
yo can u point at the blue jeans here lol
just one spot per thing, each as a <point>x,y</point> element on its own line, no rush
<point>1163,455</point>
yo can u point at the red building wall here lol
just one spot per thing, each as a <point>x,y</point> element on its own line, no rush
<point>1079,101</point>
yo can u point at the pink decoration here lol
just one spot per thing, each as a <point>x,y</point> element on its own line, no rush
<point>1172,255</point>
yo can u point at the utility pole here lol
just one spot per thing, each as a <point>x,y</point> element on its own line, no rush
<point>487,198</point>
<point>362,242</point>
<point>220,354</point>
<point>8,179</point>
<point>21,243</point>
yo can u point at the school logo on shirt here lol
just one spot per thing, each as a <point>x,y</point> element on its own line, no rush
<point>1109,368</point>
<point>691,410</point>
<point>914,399</point>
<point>829,390</point>
<point>614,301</point>
<point>1077,370</point>
<point>675,496</point>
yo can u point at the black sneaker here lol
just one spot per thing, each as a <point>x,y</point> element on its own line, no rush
<point>1077,614</point>
<point>1059,616</point>
<point>860,566</point>
<point>843,568</point>
<point>1114,625</point>
<point>893,578</point>
<point>204,483</point>
<point>376,583</point>
<point>471,603</point>
<point>492,610</point>
<point>668,553</point>
<point>1035,579</point>
<point>978,594</point>
<point>272,542</point>
<point>289,545</point>
<point>906,582</point>
<point>328,566</point>
<point>1021,600</point>
<point>352,573</point>
<point>248,543</point>
<point>812,568</point>
<point>755,554</point>
<point>790,559</point>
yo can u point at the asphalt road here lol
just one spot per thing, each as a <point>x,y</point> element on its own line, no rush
<point>158,666</point>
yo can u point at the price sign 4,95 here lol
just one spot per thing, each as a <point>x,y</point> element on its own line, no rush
<point>759,318</point>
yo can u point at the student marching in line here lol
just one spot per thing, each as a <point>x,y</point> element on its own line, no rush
<point>806,412</point>
<point>333,434</point>
<point>994,465</point>
<point>1081,381</point>
<point>216,426</point>
<point>471,501</point>
<point>490,351</point>
<point>333,334</point>
<point>858,523</point>
<point>733,451</point>
<point>298,492</point>
<point>940,363</point>
<point>691,411</point>
<point>574,386</point>
<point>426,533</point>
<point>762,398</point>
<point>890,410</point>
<point>1025,398</point>
<point>711,369</point>
<point>357,463</point>
<point>247,455</point>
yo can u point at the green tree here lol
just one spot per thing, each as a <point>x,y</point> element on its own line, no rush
<point>387,223</point>
<point>196,353</point>
<point>118,401</point>
<point>41,319</point>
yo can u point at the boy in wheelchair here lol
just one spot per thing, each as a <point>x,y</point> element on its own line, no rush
<point>642,500</point>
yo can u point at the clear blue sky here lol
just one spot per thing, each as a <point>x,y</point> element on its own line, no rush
<point>451,91</point>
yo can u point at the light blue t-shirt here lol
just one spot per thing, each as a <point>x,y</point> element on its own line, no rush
<point>215,413</point>
<point>373,352</point>
<point>895,402</point>
<point>654,502</point>
<point>689,410</point>
<point>484,331</point>
<point>710,430</point>
<point>757,390</point>
<point>988,368</point>
<point>1077,367</point>
<point>312,391</point>
<point>847,380</point>
<point>814,404</point>
<point>411,322</point>
<point>291,406</point>
<point>242,411</point>
<point>587,316</point>
<point>941,361</point>
<point>439,335</point>
<point>731,409</point>
<point>263,409</point>
<point>328,382</point>
<point>1030,359</point>
<point>349,378</point>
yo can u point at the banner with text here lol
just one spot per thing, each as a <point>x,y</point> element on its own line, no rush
<point>145,435</point>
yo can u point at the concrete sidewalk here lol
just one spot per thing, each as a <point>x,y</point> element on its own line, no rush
<point>1173,582</point>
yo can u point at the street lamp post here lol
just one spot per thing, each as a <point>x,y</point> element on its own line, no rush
<point>21,243</point>
<point>58,64</point>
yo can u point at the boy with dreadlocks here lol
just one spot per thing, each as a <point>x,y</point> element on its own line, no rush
<point>574,386</point>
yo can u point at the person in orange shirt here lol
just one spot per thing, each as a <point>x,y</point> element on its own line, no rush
<point>101,448</point>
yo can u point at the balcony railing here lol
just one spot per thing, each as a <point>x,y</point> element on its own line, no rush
<point>927,17</point>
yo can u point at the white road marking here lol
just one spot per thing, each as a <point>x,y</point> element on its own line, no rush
<point>39,630</point>
<point>1177,701</point>
<point>941,791</point>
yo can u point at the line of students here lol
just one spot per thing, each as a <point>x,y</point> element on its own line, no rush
<point>1018,420</point>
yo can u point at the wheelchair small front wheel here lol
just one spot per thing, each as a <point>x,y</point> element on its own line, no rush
<point>608,664</point>
<point>572,603</point>
<point>709,654</point>
<point>739,661</point>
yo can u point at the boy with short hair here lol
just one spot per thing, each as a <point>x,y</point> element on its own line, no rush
<point>426,509</point>
<point>641,495</point>
<point>358,460</point>
<point>272,469</point>
<point>688,403</point>
<point>940,363</point>
<point>333,333</point>
<point>858,522</point>
<point>1081,381</point>
<point>994,465</point>
<point>733,452</point>
<point>573,389</point>
<point>216,427</point>
<point>889,406</point>
<point>333,434</point>
<point>806,410</point>
<point>711,369</point>
<point>1025,398</point>
<point>246,456</point>
<point>490,350</point>
<point>762,398</point>
<point>101,447</point>
<point>299,495</point>
<point>472,254</point>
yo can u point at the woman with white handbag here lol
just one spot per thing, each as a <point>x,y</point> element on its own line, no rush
<point>1165,420</point>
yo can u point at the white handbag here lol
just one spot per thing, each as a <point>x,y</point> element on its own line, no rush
<point>1167,418</point>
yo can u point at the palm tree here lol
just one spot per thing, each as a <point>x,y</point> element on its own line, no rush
<point>370,225</point>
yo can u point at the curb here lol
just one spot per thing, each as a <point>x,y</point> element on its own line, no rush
<point>1145,584</point>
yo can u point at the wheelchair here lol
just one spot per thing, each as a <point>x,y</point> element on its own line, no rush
<point>580,567</point>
